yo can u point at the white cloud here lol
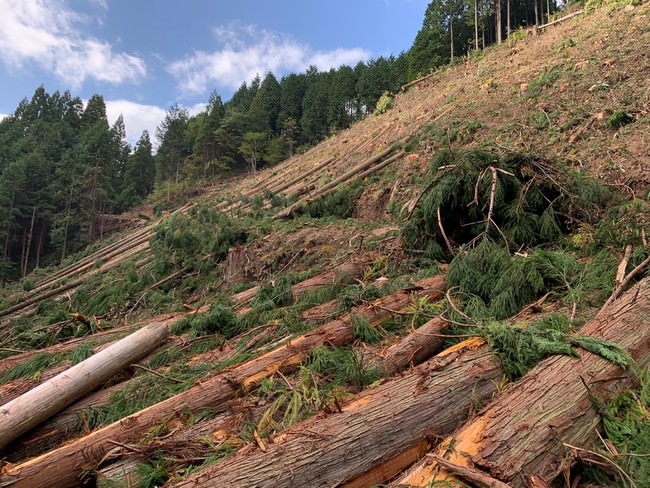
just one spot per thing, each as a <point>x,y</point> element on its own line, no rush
<point>3,116</point>
<point>246,51</point>
<point>48,33</point>
<point>139,117</point>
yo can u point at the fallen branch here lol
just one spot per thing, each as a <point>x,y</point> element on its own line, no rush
<point>619,289</point>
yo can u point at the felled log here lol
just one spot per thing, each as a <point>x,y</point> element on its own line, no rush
<point>343,272</point>
<point>522,432</point>
<point>370,431</point>
<point>100,338</point>
<point>15,388</point>
<point>62,466</point>
<point>337,181</point>
<point>65,425</point>
<point>99,254</point>
<point>31,408</point>
<point>411,350</point>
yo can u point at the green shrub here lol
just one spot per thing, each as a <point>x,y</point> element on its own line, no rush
<point>619,118</point>
<point>339,203</point>
<point>384,103</point>
<point>28,284</point>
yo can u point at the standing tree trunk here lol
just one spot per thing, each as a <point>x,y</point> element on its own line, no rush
<point>28,243</point>
<point>536,14</point>
<point>524,430</point>
<point>476,24</point>
<point>508,18</point>
<point>66,225</point>
<point>498,8</point>
<point>451,36</point>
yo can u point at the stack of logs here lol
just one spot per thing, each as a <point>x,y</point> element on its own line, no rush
<point>415,420</point>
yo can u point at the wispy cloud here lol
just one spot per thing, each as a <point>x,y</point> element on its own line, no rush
<point>49,34</point>
<point>249,50</point>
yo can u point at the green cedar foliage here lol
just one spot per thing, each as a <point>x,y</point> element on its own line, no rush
<point>196,240</point>
<point>519,348</point>
<point>533,202</point>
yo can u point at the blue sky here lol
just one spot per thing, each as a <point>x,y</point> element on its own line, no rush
<point>144,55</point>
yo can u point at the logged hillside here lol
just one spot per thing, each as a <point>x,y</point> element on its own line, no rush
<point>453,291</point>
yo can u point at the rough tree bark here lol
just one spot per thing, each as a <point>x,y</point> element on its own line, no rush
<point>371,429</point>
<point>522,432</point>
<point>344,271</point>
<point>40,403</point>
<point>411,350</point>
<point>62,467</point>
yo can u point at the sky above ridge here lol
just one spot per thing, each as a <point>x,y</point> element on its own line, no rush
<point>145,55</point>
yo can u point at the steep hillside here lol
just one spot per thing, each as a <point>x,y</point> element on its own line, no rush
<point>404,286</point>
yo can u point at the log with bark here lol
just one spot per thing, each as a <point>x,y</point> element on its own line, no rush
<point>40,403</point>
<point>341,273</point>
<point>63,466</point>
<point>411,350</point>
<point>64,425</point>
<point>287,212</point>
<point>523,432</point>
<point>365,442</point>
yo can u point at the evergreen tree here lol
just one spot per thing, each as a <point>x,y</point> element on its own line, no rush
<point>174,147</point>
<point>139,174</point>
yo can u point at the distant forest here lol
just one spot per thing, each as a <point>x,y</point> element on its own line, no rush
<point>62,165</point>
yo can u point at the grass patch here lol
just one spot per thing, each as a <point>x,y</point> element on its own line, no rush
<point>547,78</point>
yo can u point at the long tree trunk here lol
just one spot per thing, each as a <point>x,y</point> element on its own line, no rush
<point>412,349</point>
<point>66,225</point>
<point>508,18</point>
<point>522,432</point>
<point>337,181</point>
<point>64,426</point>
<point>342,273</point>
<point>63,466</point>
<point>370,431</point>
<point>476,24</point>
<point>451,36</point>
<point>499,27</point>
<point>28,243</point>
<point>28,410</point>
<point>536,14</point>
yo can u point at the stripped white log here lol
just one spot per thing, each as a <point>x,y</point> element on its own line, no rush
<point>49,398</point>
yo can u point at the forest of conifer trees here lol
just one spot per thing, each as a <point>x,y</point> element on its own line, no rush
<point>62,164</point>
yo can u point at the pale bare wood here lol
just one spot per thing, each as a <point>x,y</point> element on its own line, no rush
<point>622,266</point>
<point>40,403</point>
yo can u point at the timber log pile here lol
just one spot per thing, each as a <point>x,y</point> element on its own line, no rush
<point>42,417</point>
